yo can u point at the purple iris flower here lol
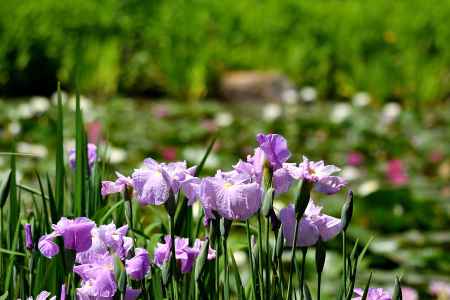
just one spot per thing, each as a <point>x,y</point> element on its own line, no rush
<point>47,246</point>
<point>106,238</point>
<point>319,174</point>
<point>312,226</point>
<point>98,279</point>
<point>121,183</point>
<point>76,233</point>
<point>43,296</point>
<point>282,180</point>
<point>132,294</point>
<point>198,244</point>
<point>275,148</point>
<point>115,239</point>
<point>28,236</point>
<point>372,294</point>
<point>155,181</point>
<point>63,292</point>
<point>232,195</point>
<point>91,156</point>
<point>138,266</point>
<point>184,254</point>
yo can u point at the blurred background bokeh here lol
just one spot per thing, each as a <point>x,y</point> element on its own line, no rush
<point>364,85</point>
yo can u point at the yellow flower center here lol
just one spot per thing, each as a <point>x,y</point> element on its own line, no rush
<point>227,185</point>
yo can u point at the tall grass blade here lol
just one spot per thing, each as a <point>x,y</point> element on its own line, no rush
<point>307,292</point>
<point>237,278</point>
<point>200,166</point>
<point>366,289</point>
<point>51,201</point>
<point>13,246</point>
<point>80,162</point>
<point>59,162</point>
<point>4,189</point>
<point>44,203</point>
<point>397,294</point>
<point>14,208</point>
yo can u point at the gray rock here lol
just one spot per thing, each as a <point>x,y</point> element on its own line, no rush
<point>254,86</point>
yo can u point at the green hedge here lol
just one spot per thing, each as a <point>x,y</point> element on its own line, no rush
<point>393,49</point>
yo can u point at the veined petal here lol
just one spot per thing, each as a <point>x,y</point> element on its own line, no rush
<point>238,201</point>
<point>330,185</point>
<point>282,180</point>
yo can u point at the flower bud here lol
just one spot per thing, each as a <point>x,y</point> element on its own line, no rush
<point>347,211</point>
<point>321,252</point>
<point>171,205</point>
<point>225,226</point>
<point>28,236</point>
<point>267,202</point>
<point>397,294</point>
<point>303,198</point>
<point>120,274</point>
<point>201,260</point>
<point>279,246</point>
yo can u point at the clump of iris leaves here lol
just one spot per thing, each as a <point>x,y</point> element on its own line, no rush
<point>26,272</point>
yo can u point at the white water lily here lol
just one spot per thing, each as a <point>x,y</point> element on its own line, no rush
<point>340,112</point>
<point>361,99</point>
<point>271,111</point>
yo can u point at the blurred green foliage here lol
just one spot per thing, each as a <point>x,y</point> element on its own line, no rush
<point>393,49</point>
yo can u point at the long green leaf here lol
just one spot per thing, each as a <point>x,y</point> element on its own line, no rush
<point>44,203</point>
<point>237,278</point>
<point>13,203</point>
<point>4,189</point>
<point>110,211</point>
<point>200,166</point>
<point>80,161</point>
<point>52,202</point>
<point>14,243</point>
<point>59,162</point>
<point>366,289</point>
<point>10,252</point>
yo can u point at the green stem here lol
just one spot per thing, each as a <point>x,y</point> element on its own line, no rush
<point>302,277</point>
<point>250,256</point>
<point>319,280</point>
<point>217,271</point>
<point>344,258</point>
<point>173,255</point>
<point>260,256</point>
<point>268,264</point>
<point>291,267</point>
<point>226,271</point>
<point>1,245</point>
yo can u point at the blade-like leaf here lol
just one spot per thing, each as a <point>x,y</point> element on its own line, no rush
<point>53,210</point>
<point>4,189</point>
<point>200,166</point>
<point>397,294</point>
<point>59,162</point>
<point>307,292</point>
<point>237,278</point>
<point>366,289</point>
<point>110,211</point>
<point>13,203</point>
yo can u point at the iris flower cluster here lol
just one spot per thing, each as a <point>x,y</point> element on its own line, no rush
<point>95,248</point>
<point>235,194</point>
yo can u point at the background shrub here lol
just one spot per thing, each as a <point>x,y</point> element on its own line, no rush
<point>393,49</point>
